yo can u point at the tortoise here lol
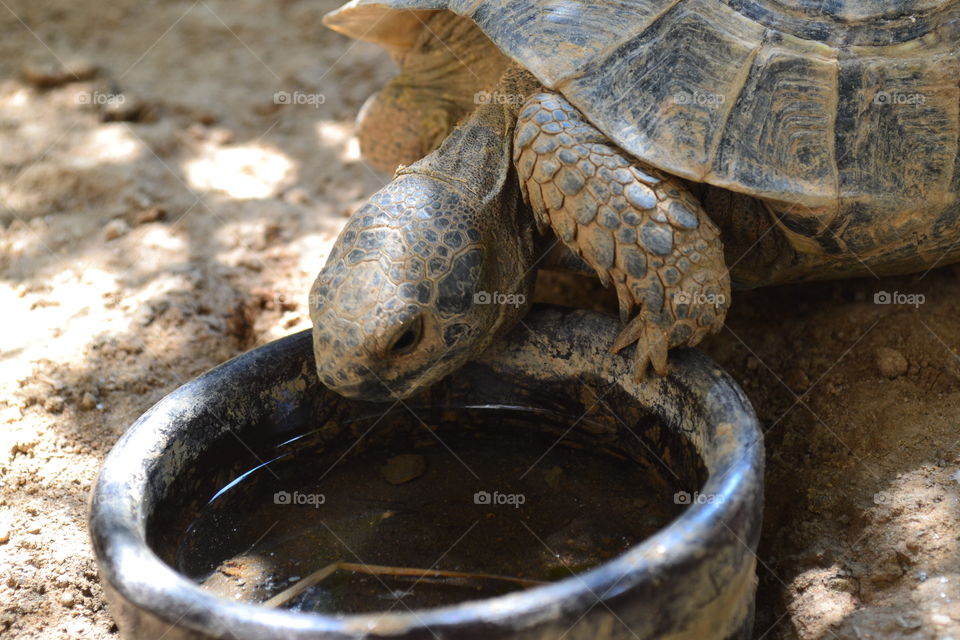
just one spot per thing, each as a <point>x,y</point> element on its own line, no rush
<point>675,148</point>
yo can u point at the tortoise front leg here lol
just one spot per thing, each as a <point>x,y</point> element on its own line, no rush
<point>637,227</point>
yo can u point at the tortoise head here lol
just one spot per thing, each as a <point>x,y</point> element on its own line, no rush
<point>428,271</point>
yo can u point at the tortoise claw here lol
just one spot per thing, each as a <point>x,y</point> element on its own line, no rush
<point>653,345</point>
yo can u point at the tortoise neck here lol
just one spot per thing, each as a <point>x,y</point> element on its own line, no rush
<point>477,155</point>
<point>516,84</point>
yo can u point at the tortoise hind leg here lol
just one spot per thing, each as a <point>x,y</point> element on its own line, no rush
<point>639,228</point>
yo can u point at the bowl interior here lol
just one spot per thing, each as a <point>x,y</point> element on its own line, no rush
<point>488,474</point>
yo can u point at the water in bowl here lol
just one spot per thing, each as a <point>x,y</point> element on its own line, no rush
<point>481,502</point>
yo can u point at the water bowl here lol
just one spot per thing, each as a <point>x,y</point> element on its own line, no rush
<point>537,493</point>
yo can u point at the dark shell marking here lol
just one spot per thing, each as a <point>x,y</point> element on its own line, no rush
<point>841,115</point>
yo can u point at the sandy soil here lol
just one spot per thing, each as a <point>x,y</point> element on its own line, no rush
<point>161,214</point>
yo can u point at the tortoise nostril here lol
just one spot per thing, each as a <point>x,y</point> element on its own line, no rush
<point>407,338</point>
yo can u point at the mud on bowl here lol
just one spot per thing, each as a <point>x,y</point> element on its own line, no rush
<point>189,546</point>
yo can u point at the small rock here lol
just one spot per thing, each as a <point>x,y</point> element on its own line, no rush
<point>23,447</point>
<point>271,232</point>
<point>88,402</point>
<point>54,404</point>
<point>909,623</point>
<point>403,468</point>
<point>153,214</point>
<point>115,229</point>
<point>46,75</point>
<point>891,363</point>
<point>67,599</point>
<point>4,536</point>
<point>297,195</point>
<point>126,107</point>
<point>206,118</point>
<point>251,262</point>
<point>886,569</point>
<point>940,619</point>
<point>221,136</point>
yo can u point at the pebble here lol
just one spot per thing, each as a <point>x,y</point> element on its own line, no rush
<point>4,536</point>
<point>115,228</point>
<point>126,108</point>
<point>152,214</point>
<point>54,404</point>
<point>46,75</point>
<point>297,195</point>
<point>67,599</point>
<point>206,118</point>
<point>88,402</point>
<point>891,363</point>
<point>403,468</point>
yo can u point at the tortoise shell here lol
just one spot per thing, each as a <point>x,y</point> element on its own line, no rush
<point>843,115</point>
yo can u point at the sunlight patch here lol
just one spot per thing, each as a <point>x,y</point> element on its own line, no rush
<point>340,135</point>
<point>243,172</point>
<point>113,142</point>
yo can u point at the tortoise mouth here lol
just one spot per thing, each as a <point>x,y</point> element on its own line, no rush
<point>370,390</point>
<point>374,386</point>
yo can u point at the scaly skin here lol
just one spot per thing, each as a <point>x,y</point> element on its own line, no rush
<point>439,78</point>
<point>404,298</point>
<point>638,227</point>
<point>399,303</point>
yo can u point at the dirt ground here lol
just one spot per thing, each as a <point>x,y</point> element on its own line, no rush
<point>160,214</point>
